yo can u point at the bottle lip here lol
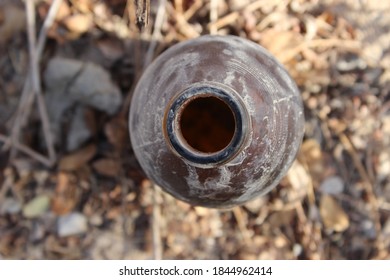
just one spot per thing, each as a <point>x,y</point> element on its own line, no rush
<point>176,140</point>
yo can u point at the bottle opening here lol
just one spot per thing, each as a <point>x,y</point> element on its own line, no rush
<point>207,124</point>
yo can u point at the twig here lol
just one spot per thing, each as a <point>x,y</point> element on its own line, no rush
<point>142,13</point>
<point>148,57</point>
<point>156,36</point>
<point>182,24</point>
<point>35,78</point>
<point>179,6</point>
<point>242,225</point>
<point>6,185</point>
<point>49,20</point>
<point>213,16</point>
<point>193,9</point>
<point>233,16</point>
<point>157,248</point>
<point>368,186</point>
<point>27,98</point>
<point>28,151</point>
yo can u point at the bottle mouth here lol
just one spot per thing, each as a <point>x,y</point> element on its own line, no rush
<point>206,124</point>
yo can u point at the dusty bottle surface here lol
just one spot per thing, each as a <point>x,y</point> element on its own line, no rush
<point>216,121</point>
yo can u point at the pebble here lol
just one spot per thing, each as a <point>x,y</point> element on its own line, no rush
<point>70,83</point>
<point>297,249</point>
<point>332,185</point>
<point>333,216</point>
<point>255,205</point>
<point>36,207</point>
<point>72,224</point>
<point>79,132</point>
<point>368,228</point>
<point>96,220</point>
<point>10,206</point>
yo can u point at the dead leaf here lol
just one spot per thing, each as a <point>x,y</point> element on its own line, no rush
<point>299,178</point>
<point>107,167</point>
<point>117,132</point>
<point>311,155</point>
<point>65,197</point>
<point>75,160</point>
<point>333,216</point>
<point>78,24</point>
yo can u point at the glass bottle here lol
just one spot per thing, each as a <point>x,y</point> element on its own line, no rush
<point>216,121</point>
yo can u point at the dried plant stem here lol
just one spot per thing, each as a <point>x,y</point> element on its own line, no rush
<point>33,81</point>
<point>142,13</point>
<point>193,9</point>
<point>49,20</point>
<point>156,36</point>
<point>368,186</point>
<point>213,16</point>
<point>143,60</point>
<point>28,151</point>
<point>182,24</point>
<point>179,6</point>
<point>36,79</point>
<point>233,16</point>
<point>27,97</point>
<point>239,216</point>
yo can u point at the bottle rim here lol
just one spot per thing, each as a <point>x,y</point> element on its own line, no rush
<point>181,147</point>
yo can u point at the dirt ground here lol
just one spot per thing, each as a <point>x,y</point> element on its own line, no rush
<point>71,188</point>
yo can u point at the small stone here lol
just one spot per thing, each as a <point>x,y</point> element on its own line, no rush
<point>332,185</point>
<point>36,207</point>
<point>96,220</point>
<point>72,224</point>
<point>202,211</point>
<point>297,249</point>
<point>368,228</point>
<point>79,132</point>
<point>332,214</point>
<point>10,206</point>
<point>37,231</point>
<point>255,205</point>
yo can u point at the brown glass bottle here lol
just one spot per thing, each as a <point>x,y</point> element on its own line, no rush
<point>216,121</point>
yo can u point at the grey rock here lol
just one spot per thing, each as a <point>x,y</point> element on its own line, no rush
<point>72,224</point>
<point>79,131</point>
<point>82,82</point>
<point>94,87</point>
<point>332,185</point>
<point>10,206</point>
<point>72,83</point>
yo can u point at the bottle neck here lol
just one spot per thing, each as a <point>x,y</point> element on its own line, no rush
<point>206,124</point>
